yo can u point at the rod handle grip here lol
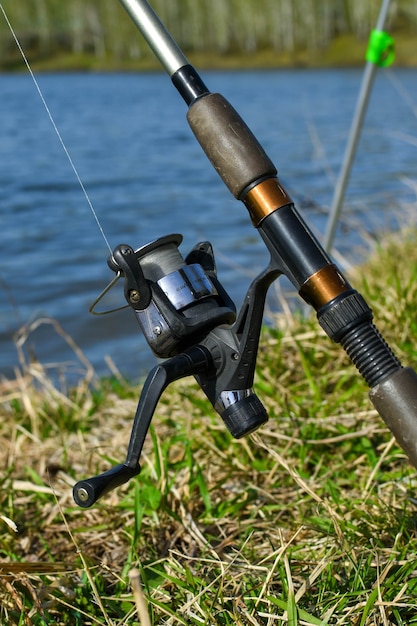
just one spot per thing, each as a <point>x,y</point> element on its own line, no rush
<point>230,145</point>
<point>395,399</point>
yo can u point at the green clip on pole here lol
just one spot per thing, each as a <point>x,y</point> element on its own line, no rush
<point>381,48</point>
<point>380,53</point>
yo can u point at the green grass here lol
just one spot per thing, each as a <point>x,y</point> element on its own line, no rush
<point>312,520</point>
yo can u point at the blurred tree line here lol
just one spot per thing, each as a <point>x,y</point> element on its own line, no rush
<point>103,29</point>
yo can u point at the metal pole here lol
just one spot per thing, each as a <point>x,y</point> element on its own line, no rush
<point>158,38</point>
<point>361,106</point>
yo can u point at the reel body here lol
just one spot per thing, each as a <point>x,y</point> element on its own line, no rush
<point>187,318</point>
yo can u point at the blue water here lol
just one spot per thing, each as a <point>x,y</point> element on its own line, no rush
<point>146,177</point>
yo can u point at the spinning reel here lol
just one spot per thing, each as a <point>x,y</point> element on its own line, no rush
<point>187,317</point>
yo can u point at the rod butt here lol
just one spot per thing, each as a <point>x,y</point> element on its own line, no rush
<point>395,399</point>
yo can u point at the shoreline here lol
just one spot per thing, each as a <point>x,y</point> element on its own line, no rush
<point>343,52</point>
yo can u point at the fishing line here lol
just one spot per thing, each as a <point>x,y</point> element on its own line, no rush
<point>55,127</point>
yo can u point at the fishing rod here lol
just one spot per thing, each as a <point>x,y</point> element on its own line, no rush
<point>186,315</point>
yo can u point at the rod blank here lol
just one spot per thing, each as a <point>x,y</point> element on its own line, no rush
<point>158,38</point>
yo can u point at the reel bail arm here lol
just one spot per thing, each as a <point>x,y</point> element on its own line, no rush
<point>136,289</point>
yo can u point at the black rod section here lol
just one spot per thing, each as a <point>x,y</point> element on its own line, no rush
<point>189,84</point>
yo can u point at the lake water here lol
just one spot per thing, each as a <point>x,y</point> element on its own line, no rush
<point>147,177</point>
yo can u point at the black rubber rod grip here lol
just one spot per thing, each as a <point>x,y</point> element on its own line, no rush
<point>230,145</point>
<point>395,399</point>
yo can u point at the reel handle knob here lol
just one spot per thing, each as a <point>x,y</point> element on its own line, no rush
<point>87,492</point>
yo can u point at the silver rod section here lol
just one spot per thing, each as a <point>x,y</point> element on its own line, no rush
<point>361,106</point>
<point>158,38</point>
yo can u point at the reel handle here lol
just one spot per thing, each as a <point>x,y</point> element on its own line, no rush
<point>86,492</point>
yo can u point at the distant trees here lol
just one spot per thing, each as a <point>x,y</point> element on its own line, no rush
<point>102,28</point>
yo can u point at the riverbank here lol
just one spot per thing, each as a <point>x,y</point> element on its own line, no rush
<point>312,519</point>
<point>344,51</point>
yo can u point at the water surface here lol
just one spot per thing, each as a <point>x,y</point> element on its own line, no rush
<point>146,177</point>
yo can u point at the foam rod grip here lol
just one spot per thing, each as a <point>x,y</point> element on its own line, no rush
<point>395,399</point>
<point>229,144</point>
